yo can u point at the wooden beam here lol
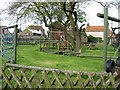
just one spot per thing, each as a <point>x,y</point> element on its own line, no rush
<point>105,36</point>
<point>109,17</point>
<point>10,27</point>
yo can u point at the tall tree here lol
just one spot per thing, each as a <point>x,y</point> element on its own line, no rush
<point>70,11</point>
<point>47,12</point>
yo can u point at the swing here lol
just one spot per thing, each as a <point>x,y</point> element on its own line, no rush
<point>110,64</point>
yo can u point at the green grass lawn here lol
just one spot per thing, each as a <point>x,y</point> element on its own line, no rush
<point>30,55</point>
<point>98,50</point>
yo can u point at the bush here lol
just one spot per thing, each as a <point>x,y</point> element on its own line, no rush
<point>93,39</point>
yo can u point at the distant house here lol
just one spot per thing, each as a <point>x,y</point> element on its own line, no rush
<point>31,35</point>
<point>26,33</point>
<point>97,31</point>
<point>33,31</point>
<point>37,30</point>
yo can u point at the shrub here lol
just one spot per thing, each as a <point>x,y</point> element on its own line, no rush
<point>94,39</point>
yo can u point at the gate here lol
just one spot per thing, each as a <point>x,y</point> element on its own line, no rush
<point>8,43</point>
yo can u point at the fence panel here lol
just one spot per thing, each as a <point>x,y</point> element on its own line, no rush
<point>20,76</point>
<point>8,43</point>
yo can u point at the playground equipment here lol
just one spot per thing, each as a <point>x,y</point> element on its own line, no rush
<point>109,17</point>
<point>55,46</point>
<point>9,43</point>
<point>116,45</point>
<point>57,40</point>
<point>20,76</point>
<point>107,64</point>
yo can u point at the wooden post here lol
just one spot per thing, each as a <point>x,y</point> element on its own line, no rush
<point>15,44</point>
<point>105,35</point>
<point>40,45</point>
<point>49,44</point>
<point>119,22</point>
<point>119,15</point>
<point>98,40</point>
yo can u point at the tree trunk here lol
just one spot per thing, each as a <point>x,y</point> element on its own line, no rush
<point>77,49</point>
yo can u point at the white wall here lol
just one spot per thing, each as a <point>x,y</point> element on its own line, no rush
<point>95,34</point>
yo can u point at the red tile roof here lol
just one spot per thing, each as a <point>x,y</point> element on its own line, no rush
<point>97,29</point>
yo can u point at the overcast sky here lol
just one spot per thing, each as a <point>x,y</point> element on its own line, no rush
<point>95,8</point>
<point>91,11</point>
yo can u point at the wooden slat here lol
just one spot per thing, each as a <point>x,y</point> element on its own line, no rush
<point>15,77</point>
<point>98,82</point>
<point>110,80</point>
<point>53,80</point>
<point>69,79</point>
<point>90,76</point>
<point>37,79</point>
<point>103,81</point>
<point>80,80</point>
<point>26,80</point>
<point>87,81</point>
<point>33,75</point>
<point>46,79</point>
<point>10,79</point>
<point>7,80</point>
<point>57,79</point>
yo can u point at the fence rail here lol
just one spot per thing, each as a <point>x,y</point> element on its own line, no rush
<point>20,76</point>
<point>28,39</point>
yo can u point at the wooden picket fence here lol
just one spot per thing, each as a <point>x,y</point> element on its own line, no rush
<point>20,76</point>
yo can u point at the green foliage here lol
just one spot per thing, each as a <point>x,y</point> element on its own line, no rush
<point>94,39</point>
<point>91,39</point>
<point>81,16</point>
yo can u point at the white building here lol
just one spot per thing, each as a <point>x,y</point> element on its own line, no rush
<point>98,32</point>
